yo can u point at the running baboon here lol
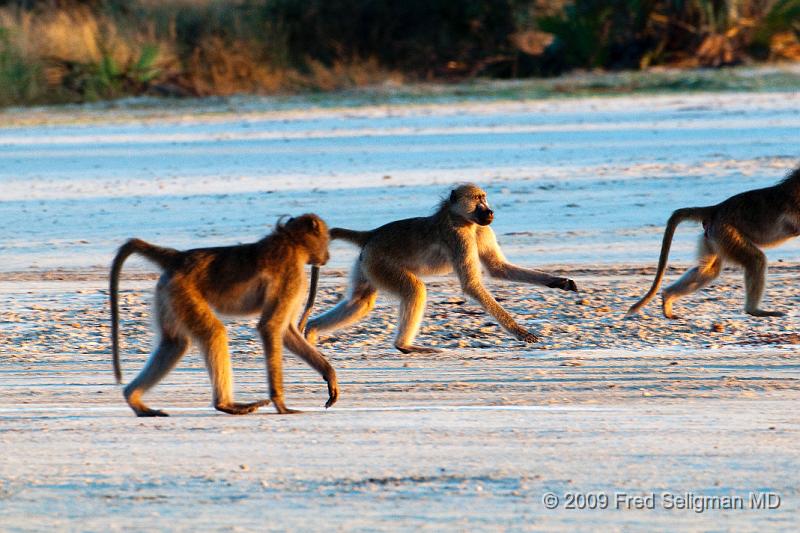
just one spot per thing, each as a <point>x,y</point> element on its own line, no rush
<point>264,277</point>
<point>456,237</point>
<point>733,230</point>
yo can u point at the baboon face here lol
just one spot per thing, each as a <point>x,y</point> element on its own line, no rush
<point>469,201</point>
<point>313,233</point>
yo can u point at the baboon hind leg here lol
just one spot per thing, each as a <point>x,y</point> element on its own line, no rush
<point>358,303</point>
<point>709,266</point>
<point>413,294</point>
<point>741,250</point>
<point>171,346</point>
<point>210,334</point>
<point>295,342</point>
<point>166,355</point>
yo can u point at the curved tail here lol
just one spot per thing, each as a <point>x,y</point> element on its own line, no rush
<point>688,213</point>
<point>163,257</point>
<point>356,237</point>
<point>312,293</point>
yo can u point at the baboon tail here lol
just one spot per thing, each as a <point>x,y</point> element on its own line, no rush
<point>312,293</point>
<point>688,213</point>
<point>163,257</point>
<point>356,237</point>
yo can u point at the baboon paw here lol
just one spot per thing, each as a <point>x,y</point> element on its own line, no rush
<point>527,337</point>
<point>237,408</point>
<point>281,408</point>
<point>666,308</point>
<point>416,349</point>
<point>287,411</point>
<point>333,394</point>
<point>565,284</point>
<point>147,412</point>
<point>762,313</point>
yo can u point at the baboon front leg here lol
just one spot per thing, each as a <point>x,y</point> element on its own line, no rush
<point>274,321</point>
<point>707,270</point>
<point>465,263</point>
<point>495,262</point>
<point>412,293</point>
<point>295,342</point>
<point>527,275</point>
<point>743,251</point>
<point>358,303</point>
<point>210,334</point>
<point>477,291</point>
<point>161,361</point>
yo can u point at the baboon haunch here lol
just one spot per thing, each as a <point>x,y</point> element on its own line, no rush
<point>456,237</point>
<point>733,230</point>
<point>265,277</point>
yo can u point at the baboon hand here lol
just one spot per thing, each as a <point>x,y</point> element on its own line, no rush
<point>526,336</point>
<point>565,284</point>
<point>333,391</point>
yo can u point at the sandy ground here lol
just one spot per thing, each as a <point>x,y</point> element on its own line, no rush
<point>474,437</point>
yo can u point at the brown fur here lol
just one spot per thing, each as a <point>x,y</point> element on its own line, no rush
<point>265,277</point>
<point>734,230</point>
<point>456,237</point>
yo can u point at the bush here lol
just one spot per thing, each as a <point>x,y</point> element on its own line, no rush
<point>19,77</point>
<point>75,50</point>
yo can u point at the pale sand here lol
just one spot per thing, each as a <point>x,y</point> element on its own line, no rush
<point>471,437</point>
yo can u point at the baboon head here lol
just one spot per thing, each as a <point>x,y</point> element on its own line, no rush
<point>310,231</point>
<point>469,201</point>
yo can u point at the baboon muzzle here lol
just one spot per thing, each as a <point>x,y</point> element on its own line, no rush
<point>484,216</point>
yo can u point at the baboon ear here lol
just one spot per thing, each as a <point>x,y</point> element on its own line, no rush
<point>311,223</point>
<point>453,197</point>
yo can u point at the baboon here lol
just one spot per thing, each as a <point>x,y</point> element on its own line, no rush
<point>265,277</point>
<point>456,237</point>
<point>733,230</point>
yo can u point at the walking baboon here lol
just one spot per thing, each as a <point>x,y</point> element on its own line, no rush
<point>265,277</point>
<point>733,230</point>
<point>456,237</point>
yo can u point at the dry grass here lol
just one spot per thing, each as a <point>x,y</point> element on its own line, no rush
<point>79,54</point>
<point>75,51</point>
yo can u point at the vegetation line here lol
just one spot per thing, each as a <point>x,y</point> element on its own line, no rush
<point>57,51</point>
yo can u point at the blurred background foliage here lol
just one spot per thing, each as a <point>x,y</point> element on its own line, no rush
<point>70,50</point>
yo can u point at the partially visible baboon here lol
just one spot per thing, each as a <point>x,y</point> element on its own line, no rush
<point>265,277</point>
<point>733,230</point>
<point>456,237</point>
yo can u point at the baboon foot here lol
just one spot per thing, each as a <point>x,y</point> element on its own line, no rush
<point>237,408</point>
<point>143,410</point>
<point>666,307</point>
<point>140,408</point>
<point>526,336</point>
<point>763,313</point>
<point>412,348</point>
<point>282,409</point>
<point>565,284</point>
